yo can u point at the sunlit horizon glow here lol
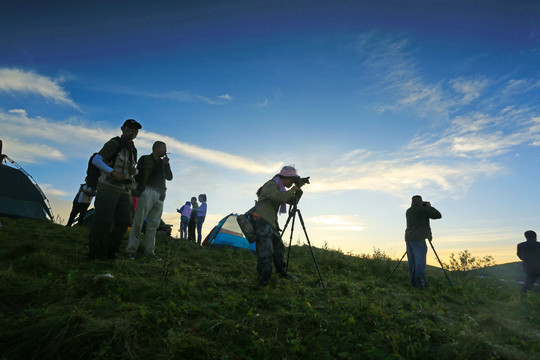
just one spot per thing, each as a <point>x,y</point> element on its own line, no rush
<point>375,104</point>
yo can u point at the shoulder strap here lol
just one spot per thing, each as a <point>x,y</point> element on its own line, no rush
<point>120,146</point>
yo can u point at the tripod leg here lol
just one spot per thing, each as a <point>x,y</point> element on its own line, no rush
<point>293,215</point>
<point>310,248</point>
<point>442,267</point>
<point>399,262</point>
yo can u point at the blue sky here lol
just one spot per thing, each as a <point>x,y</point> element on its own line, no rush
<point>375,100</point>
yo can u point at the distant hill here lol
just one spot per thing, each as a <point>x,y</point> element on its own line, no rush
<point>509,271</point>
<point>203,303</point>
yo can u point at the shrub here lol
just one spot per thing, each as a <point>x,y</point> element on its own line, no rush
<point>464,261</point>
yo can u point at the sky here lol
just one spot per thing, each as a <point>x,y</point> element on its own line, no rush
<point>376,101</point>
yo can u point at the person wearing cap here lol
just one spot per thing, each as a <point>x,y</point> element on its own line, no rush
<point>113,203</point>
<point>529,253</point>
<point>272,199</point>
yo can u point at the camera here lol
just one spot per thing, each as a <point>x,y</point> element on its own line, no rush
<point>426,203</point>
<point>301,181</point>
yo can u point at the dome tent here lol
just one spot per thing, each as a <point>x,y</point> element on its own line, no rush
<point>20,196</point>
<point>227,233</point>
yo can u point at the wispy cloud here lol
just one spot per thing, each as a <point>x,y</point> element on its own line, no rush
<point>480,136</point>
<point>336,222</point>
<point>70,138</point>
<point>51,191</point>
<point>447,162</point>
<point>262,104</point>
<point>449,157</point>
<point>14,80</point>
<point>225,97</point>
<point>179,96</point>
<point>219,158</point>
<point>520,86</point>
<point>403,175</point>
<point>470,89</point>
<point>391,58</point>
<point>24,152</point>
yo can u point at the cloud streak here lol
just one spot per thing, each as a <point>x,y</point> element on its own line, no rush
<point>186,96</point>
<point>450,155</point>
<point>402,176</point>
<point>391,58</point>
<point>28,82</point>
<point>336,222</point>
<point>66,139</point>
<point>178,96</point>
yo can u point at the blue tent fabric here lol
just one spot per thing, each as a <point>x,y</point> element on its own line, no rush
<point>227,233</point>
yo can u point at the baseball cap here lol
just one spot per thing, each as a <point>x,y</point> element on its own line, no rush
<point>132,124</point>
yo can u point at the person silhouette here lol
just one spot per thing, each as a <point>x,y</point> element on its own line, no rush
<point>529,253</point>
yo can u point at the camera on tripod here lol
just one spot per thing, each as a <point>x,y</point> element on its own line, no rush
<point>301,181</point>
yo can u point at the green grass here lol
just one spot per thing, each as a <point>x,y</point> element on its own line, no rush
<point>203,303</point>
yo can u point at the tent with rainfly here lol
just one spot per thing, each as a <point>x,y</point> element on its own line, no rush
<point>227,233</point>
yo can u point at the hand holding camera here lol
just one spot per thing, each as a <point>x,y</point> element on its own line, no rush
<point>298,183</point>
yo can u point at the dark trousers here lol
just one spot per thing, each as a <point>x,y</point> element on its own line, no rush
<point>184,223</point>
<point>200,221</point>
<point>112,218</point>
<point>416,258</point>
<point>530,279</point>
<point>77,209</point>
<point>191,228</point>
<point>270,251</point>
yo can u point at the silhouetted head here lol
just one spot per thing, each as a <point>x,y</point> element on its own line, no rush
<point>130,129</point>
<point>530,235</point>
<point>417,200</point>
<point>159,149</point>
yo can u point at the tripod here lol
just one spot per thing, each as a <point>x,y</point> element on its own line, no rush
<point>292,215</point>
<point>442,267</point>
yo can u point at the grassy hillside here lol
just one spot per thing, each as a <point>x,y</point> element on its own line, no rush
<point>203,303</point>
<point>507,272</point>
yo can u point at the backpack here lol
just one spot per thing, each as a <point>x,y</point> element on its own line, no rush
<point>244,221</point>
<point>93,172</point>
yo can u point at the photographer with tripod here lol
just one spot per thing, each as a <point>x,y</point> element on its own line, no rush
<point>272,198</point>
<point>418,230</point>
